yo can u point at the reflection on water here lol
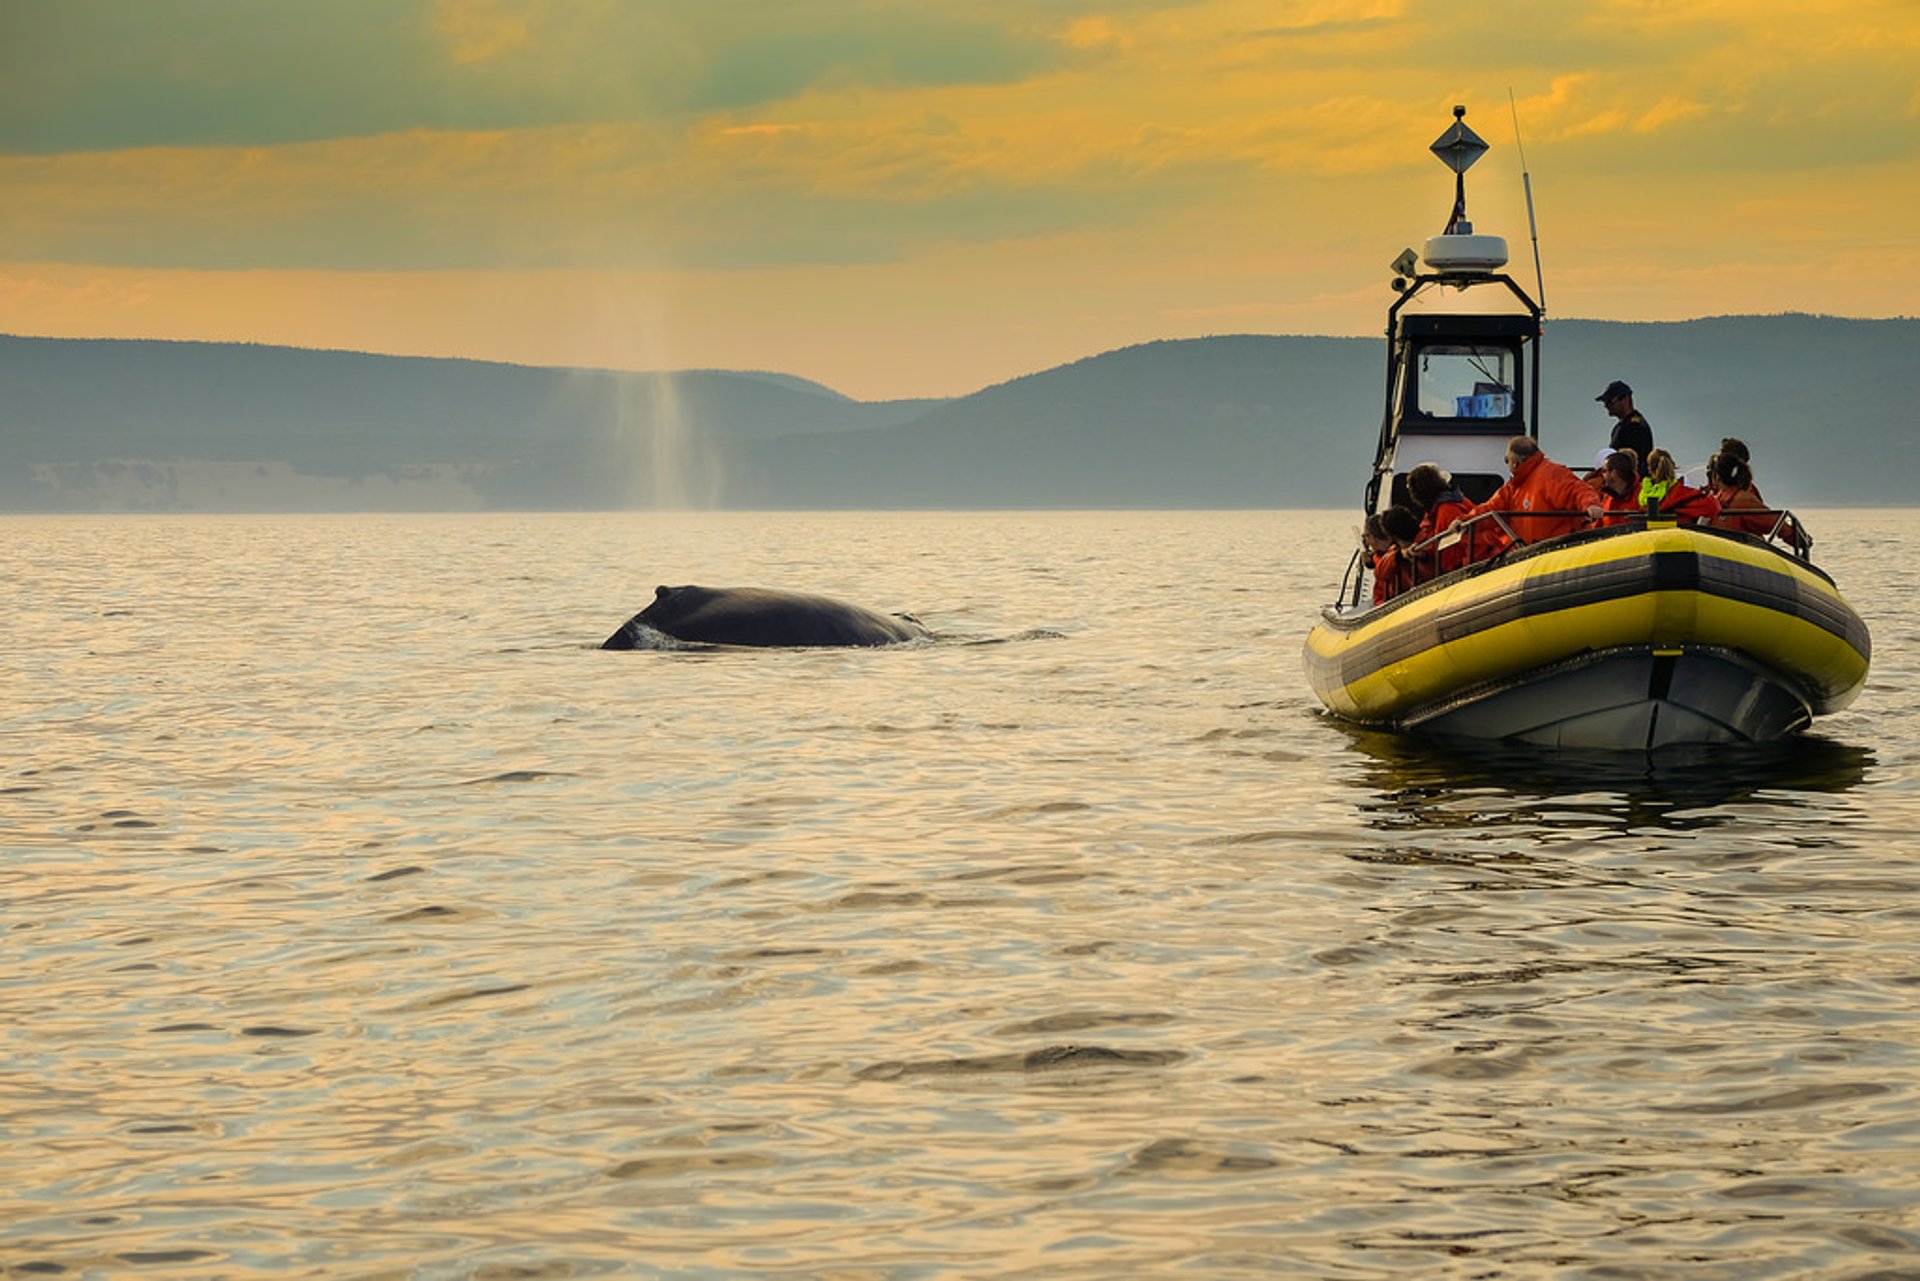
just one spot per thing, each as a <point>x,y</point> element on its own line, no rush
<point>1421,782</point>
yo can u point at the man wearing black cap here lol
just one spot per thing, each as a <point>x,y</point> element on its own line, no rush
<point>1631,431</point>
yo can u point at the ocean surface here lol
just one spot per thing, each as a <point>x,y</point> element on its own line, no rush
<point>361,918</point>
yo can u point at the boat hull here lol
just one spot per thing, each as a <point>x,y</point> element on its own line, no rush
<point>1626,638</point>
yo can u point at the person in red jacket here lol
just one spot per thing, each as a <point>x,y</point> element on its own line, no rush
<point>1432,494</point>
<point>1663,493</point>
<point>1619,486</point>
<point>1734,447</point>
<point>1389,536</point>
<point>1543,500</point>
<point>1730,479</point>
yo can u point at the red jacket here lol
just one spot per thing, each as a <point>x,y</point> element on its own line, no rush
<point>1618,507</point>
<point>1539,485</point>
<point>1734,502</point>
<point>1688,505</point>
<point>1441,560</point>
<point>1389,576</point>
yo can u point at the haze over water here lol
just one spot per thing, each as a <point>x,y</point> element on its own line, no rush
<point>363,919</point>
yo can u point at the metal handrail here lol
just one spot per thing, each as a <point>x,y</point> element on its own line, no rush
<point>1424,557</point>
<point>1785,529</point>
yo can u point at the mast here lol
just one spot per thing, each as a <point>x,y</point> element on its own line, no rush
<point>1533,227</point>
<point>1457,258</point>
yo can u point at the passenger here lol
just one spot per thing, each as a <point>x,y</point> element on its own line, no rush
<point>1545,501</point>
<point>1632,430</point>
<point>1389,536</point>
<point>1663,493</point>
<point>1592,477</point>
<point>1433,495</point>
<point>1619,486</point>
<point>1379,548</point>
<point>1730,477</point>
<point>1402,524</point>
<point>1737,448</point>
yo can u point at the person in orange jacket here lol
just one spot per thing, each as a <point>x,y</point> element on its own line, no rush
<point>1433,495</point>
<point>1543,500</point>
<point>1730,479</point>
<point>1389,535</point>
<point>1663,493</point>
<point>1734,447</point>
<point>1619,486</point>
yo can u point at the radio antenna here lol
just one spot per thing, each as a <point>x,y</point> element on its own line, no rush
<point>1526,181</point>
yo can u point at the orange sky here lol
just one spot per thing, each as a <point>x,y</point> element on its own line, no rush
<point>901,198</point>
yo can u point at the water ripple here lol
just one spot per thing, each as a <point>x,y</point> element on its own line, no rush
<point>462,951</point>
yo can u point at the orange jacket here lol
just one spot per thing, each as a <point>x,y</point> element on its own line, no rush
<point>1441,560</point>
<point>1539,485</point>
<point>1734,502</point>
<point>1389,576</point>
<point>1618,507</point>
<point>1688,505</point>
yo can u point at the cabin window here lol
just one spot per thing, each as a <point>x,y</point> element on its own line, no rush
<point>1462,380</point>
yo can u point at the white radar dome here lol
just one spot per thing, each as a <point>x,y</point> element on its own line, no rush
<point>1466,252</point>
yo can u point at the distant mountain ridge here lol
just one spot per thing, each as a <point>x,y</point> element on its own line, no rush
<point>1235,421</point>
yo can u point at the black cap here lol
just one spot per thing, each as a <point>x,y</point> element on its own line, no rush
<point>1614,388</point>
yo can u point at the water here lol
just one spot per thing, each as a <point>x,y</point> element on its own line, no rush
<point>361,919</point>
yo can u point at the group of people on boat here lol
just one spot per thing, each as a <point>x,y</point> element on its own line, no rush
<point>1434,506</point>
<point>1632,480</point>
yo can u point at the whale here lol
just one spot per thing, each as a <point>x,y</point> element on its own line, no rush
<point>761,616</point>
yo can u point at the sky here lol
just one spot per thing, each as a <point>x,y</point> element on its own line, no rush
<point>916,198</point>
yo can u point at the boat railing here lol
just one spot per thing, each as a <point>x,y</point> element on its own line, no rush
<point>1486,536</point>
<point>1354,578</point>
<point>1774,525</point>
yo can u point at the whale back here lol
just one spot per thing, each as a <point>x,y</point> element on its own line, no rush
<point>763,616</point>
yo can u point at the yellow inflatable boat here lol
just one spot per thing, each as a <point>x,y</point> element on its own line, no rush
<point>1617,638</point>
<point>1636,635</point>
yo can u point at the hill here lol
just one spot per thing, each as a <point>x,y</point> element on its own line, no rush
<point>196,426</point>
<point>1216,422</point>
<point>1245,421</point>
<point>1827,404</point>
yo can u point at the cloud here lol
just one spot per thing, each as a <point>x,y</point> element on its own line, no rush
<point>1666,112</point>
<point>632,136</point>
<point>1176,162</point>
<point>480,30</point>
<point>617,195</point>
<point>1091,33</point>
<point>114,74</point>
<point>117,74</point>
<point>1309,19</point>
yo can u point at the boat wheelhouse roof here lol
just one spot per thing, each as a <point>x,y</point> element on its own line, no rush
<point>1469,325</point>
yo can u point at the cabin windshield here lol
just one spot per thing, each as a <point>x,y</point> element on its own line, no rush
<point>1467,380</point>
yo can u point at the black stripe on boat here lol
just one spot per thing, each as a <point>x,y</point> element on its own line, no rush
<point>1665,571</point>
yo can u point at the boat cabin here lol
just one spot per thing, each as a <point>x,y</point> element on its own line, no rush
<point>1459,393</point>
<point>1459,385</point>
